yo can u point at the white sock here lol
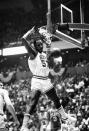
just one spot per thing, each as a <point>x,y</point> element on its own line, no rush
<point>62,113</point>
<point>25,120</point>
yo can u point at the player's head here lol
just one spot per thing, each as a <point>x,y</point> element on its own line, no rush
<point>38,45</point>
<point>55,60</point>
<point>57,63</point>
<point>1,85</point>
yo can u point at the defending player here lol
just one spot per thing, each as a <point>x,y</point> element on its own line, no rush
<point>4,98</point>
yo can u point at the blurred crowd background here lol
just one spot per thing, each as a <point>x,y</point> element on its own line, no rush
<point>16,76</point>
<point>73,89</point>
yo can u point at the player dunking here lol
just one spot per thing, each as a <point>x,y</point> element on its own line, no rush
<point>41,83</point>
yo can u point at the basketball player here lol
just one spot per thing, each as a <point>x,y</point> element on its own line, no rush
<point>41,83</point>
<point>4,99</point>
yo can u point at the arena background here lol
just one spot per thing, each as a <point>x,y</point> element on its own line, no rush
<point>16,18</point>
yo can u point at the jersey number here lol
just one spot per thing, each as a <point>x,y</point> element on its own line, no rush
<point>43,61</point>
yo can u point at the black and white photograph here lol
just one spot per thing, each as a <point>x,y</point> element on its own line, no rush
<point>44,65</point>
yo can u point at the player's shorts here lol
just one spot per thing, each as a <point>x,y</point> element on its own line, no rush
<point>41,83</point>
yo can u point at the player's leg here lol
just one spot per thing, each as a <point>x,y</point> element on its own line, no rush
<point>30,109</point>
<point>53,96</point>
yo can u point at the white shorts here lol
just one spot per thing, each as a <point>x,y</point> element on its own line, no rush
<point>40,84</point>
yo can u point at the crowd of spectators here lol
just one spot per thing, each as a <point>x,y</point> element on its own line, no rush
<point>72,90</point>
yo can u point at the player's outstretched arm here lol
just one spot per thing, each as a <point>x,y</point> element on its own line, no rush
<point>28,40</point>
<point>10,107</point>
<point>30,48</point>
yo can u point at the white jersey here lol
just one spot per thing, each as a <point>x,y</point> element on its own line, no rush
<point>39,65</point>
<point>2,94</point>
<point>3,99</point>
<point>39,68</point>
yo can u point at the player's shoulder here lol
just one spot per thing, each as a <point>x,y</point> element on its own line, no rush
<point>3,91</point>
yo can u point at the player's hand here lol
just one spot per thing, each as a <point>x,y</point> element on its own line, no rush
<point>17,124</point>
<point>47,36</point>
<point>29,33</point>
<point>48,42</point>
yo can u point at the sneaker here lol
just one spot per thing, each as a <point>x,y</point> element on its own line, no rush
<point>70,120</point>
<point>66,118</point>
<point>24,129</point>
<point>25,122</point>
